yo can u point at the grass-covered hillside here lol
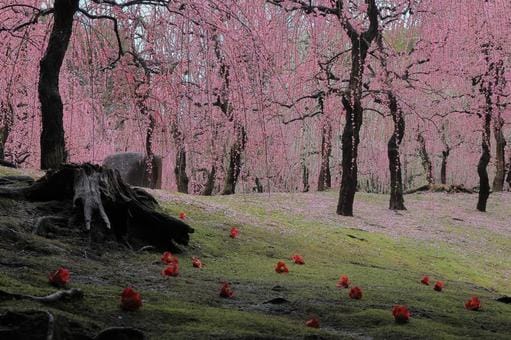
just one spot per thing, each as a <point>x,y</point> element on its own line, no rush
<point>383,252</point>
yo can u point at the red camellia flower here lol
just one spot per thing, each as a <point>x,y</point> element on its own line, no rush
<point>313,323</point>
<point>234,232</point>
<point>171,270</point>
<point>281,267</point>
<point>344,282</point>
<point>298,259</point>
<point>226,291</point>
<point>401,314</point>
<point>168,258</point>
<point>60,277</point>
<point>473,303</point>
<point>439,285</point>
<point>182,215</point>
<point>196,262</point>
<point>130,299</point>
<point>425,280</point>
<point>356,293</point>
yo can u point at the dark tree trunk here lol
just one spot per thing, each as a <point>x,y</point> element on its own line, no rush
<point>7,112</point>
<point>180,166</point>
<point>210,184</point>
<point>445,155</point>
<point>151,178</point>
<point>180,170</point>
<point>258,185</point>
<point>233,170</point>
<point>443,167</point>
<point>234,166</point>
<point>426,161</point>
<point>352,103</point>
<point>396,181</point>
<point>500,160</point>
<point>350,141</point>
<point>53,148</point>
<point>508,176</point>
<point>492,87</point>
<point>305,178</point>
<point>484,182</point>
<point>4,134</point>
<point>325,178</point>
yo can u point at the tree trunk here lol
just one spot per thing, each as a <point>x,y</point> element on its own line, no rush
<point>233,170</point>
<point>484,182</point>
<point>305,178</point>
<point>258,185</point>
<point>445,154</point>
<point>234,166</point>
<point>443,168</point>
<point>7,112</point>
<point>180,170</point>
<point>325,178</point>
<point>500,160</point>
<point>149,167</point>
<point>53,148</point>
<point>352,103</point>
<point>426,162</point>
<point>508,176</point>
<point>210,184</point>
<point>4,134</point>
<point>396,181</point>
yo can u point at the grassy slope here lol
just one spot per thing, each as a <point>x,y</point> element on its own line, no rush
<point>387,267</point>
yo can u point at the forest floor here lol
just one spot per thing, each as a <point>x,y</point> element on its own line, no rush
<point>385,253</point>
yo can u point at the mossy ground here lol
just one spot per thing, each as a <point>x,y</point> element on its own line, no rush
<point>387,267</point>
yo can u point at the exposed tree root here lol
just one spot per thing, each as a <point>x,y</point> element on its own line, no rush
<point>69,294</point>
<point>120,333</point>
<point>95,191</point>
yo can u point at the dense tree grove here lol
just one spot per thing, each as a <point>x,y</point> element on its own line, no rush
<point>264,95</point>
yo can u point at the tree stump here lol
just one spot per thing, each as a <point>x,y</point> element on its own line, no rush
<point>129,212</point>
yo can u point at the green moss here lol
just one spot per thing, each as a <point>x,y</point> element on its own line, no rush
<point>387,268</point>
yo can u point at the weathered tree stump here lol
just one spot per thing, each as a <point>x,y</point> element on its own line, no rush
<point>130,213</point>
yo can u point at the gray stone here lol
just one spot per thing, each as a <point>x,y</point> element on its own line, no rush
<point>133,168</point>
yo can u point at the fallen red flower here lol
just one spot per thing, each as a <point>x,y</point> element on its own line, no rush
<point>130,299</point>
<point>425,280</point>
<point>401,314</point>
<point>344,282</point>
<point>196,262</point>
<point>234,232</point>
<point>356,293</point>
<point>313,323</point>
<point>182,215</point>
<point>281,267</point>
<point>60,277</point>
<point>226,291</point>
<point>439,285</point>
<point>171,270</point>
<point>473,303</point>
<point>168,258</point>
<point>298,259</point>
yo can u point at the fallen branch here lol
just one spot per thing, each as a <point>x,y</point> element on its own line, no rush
<point>67,295</point>
<point>441,188</point>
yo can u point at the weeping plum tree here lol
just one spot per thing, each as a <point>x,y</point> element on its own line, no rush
<point>320,50</point>
<point>52,142</point>
<point>360,40</point>
<point>490,86</point>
